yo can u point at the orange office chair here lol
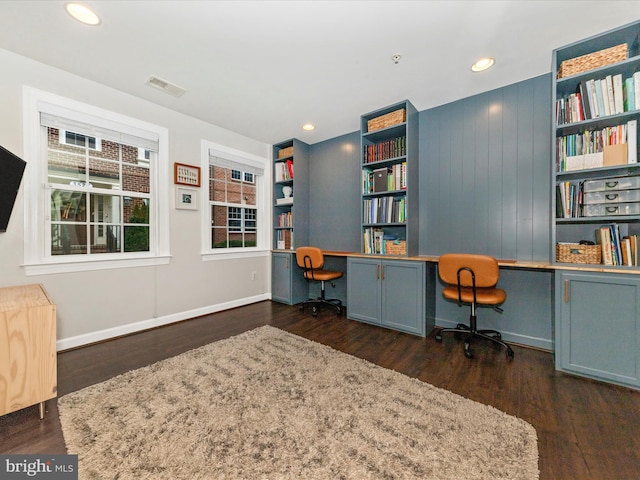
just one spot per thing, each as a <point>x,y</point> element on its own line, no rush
<point>471,279</point>
<point>311,260</point>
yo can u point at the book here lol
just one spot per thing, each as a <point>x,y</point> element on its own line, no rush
<point>629,95</point>
<point>591,88</point>
<point>636,89</point>
<point>625,248</point>
<point>618,94</point>
<point>603,238</point>
<point>600,98</point>
<point>380,181</point>
<point>615,244</point>
<point>609,88</point>
<point>632,141</point>
<point>584,98</point>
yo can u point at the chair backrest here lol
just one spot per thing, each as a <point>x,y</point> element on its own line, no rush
<point>484,267</point>
<point>309,258</point>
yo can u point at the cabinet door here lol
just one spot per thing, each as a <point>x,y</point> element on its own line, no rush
<point>363,289</point>
<point>287,283</point>
<point>597,324</point>
<point>281,277</point>
<point>403,296</point>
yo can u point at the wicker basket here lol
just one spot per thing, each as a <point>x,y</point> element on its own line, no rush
<point>593,60</point>
<point>576,253</point>
<point>285,152</point>
<point>395,247</point>
<point>388,120</point>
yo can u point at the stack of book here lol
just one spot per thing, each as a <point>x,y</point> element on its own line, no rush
<point>284,239</point>
<point>569,199</point>
<point>386,150</point>
<point>596,98</point>
<point>388,209</point>
<point>589,149</point>
<point>283,171</point>
<point>617,249</point>
<point>385,179</point>
<point>285,220</point>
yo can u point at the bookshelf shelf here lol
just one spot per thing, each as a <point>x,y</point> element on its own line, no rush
<point>389,165</point>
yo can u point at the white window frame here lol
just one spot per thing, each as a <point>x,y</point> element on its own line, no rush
<point>262,204</point>
<point>36,188</point>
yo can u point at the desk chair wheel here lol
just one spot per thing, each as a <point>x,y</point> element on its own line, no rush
<point>510,354</point>
<point>467,351</point>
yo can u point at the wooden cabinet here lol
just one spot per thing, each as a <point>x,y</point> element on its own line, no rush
<point>287,284</point>
<point>389,188</point>
<point>598,326</point>
<point>28,366</point>
<point>389,293</point>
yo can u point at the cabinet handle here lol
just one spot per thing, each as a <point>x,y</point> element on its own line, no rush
<point>286,263</point>
<point>377,272</point>
<point>566,291</point>
<point>382,272</point>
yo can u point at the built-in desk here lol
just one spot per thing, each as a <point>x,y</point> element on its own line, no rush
<point>588,315</point>
<point>528,313</point>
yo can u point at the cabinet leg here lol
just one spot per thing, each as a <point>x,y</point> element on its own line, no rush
<point>41,410</point>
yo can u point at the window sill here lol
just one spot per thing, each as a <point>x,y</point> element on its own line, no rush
<point>230,254</point>
<point>68,266</point>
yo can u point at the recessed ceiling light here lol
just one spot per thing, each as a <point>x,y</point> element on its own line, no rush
<point>482,64</point>
<point>308,126</point>
<point>82,13</point>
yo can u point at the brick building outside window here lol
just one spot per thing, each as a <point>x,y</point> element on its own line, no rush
<point>234,213</point>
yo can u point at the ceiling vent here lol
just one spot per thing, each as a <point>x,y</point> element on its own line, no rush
<point>165,86</point>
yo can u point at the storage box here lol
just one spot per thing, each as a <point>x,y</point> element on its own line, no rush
<point>616,196</point>
<point>394,118</point>
<point>583,162</point>
<point>598,59</point>
<point>576,253</point>
<point>615,155</point>
<point>285,152</point>
<point>395,247</point>
<point>616,183</point>
<point>606,209</point>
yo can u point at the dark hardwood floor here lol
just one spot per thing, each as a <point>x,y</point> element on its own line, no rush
<point>586,429</point>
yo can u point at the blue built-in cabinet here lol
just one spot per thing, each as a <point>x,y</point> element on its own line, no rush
<point>390,293</point>
<point>598,326</point>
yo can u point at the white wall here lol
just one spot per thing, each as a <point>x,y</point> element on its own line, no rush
<point>95,305</point>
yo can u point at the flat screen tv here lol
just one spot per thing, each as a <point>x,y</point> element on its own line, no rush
<point>11,170</point>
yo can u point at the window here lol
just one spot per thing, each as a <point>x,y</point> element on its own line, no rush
<point>72,138</point>
<point>96,200</point>
<point>99,201</point>
<point>233,209</point>
<point>236,207</point>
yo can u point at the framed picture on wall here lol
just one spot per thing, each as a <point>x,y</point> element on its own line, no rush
<point>186,198</point>
<point>186,175</point>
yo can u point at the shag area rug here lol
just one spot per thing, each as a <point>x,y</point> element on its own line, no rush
<point>267,404</point>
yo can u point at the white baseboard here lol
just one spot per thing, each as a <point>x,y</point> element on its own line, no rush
<point>100,335</point>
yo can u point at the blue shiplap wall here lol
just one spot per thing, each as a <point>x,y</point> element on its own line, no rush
<point>485,169</point>
<point>334,193</point>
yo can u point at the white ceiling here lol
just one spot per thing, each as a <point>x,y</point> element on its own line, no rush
<point>264,68</point>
